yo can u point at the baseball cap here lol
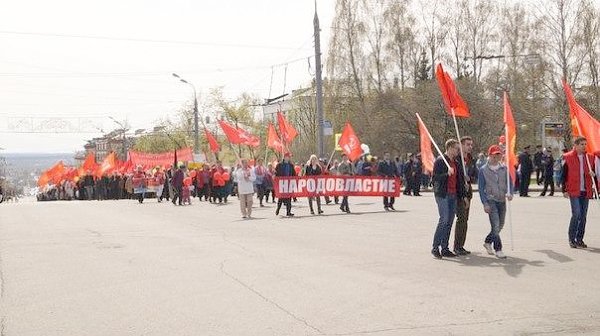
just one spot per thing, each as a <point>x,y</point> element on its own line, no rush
<point>494,149</point>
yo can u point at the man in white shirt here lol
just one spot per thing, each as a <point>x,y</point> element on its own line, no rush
<point>245,178</point>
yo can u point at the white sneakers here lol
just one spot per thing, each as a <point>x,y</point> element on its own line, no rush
<point>489,248</point>
<point>500,255</point>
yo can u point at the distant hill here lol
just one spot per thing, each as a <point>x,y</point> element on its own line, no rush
<point>36,161</point>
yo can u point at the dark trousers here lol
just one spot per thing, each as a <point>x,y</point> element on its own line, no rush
<point>140,197</point>
<point>524,183</point>
<point>409,185</point>
<point>539,175</point>
<point>548,181</point>
<point>177,196</point>
<point>344,206</point>
<point>288,205</point>
<point>416,187</point>
<point>388,201</point>
<point>260,192</point>
<point>462,217</point>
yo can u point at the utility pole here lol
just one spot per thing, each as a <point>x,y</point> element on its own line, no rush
<point>319,83</point>
<point>196,132</point>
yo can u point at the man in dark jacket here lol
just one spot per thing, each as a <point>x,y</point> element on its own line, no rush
<point>407,172</point>
<point>178,185</point>
<point>548,175</point>
<point>448,188</point>
<point>526,168</point>
<point>285,168</point>
<point>463,207</point>
<point>387,168</point>
<point>538,165</point>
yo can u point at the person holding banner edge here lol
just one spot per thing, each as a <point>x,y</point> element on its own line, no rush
<point>448,186</point>
<point>345,168</point>
<point>285,168</point>
<point>313,168</point>
<point>387,168</point>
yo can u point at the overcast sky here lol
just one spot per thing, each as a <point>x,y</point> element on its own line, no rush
<point>87,61</point>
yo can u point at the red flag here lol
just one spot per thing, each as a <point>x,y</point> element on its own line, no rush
<point>212,142</point>
<point>452,100</point>
<point>231,132</point>
<point>107,165</point>
<point>248,138</point>
<point>582,123</point>
<point>236,135</point>
<point>273,140</point>
<point>90,162</point>
<point>52,174</point>
<point>126,167</point>
<point>510,139</point>
<point>288,132</point>
<point>427,156</point>
<point>350,143</point>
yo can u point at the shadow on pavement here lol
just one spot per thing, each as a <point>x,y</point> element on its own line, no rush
<point>561,258</point>
<point>591,249</point>
<point>339,213</point>
<point>512,266</point>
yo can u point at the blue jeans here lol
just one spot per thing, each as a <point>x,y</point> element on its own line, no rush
<point>447,210</point>
<point>579,207</point>
<point>497,216</point>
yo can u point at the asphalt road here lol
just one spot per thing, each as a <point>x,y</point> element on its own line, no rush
<point>121,268</point>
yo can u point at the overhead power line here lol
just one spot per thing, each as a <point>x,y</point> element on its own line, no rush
<point>129,39</point>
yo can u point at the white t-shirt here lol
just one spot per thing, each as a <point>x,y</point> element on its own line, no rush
<point>245,182</point>
<point>582,164</point>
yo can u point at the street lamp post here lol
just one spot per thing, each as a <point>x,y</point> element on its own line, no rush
<point>196,133</point>
<point>123,130</point>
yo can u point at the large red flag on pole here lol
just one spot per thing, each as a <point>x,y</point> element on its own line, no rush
<point>273,140</point>
<point>350,143</point>
<point>288,132</point>
<point>107,165</point>
<point>50,175</point>
<point>427,156</point>
<point>212,142</point>
<point>510,137</point>
<point>582,123</point>
<point>454,103</point>
<point>230,132</point>
<point>237,136</point>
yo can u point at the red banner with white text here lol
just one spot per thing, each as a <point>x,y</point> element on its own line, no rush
<point>162,159</point>
<point>325,185</point>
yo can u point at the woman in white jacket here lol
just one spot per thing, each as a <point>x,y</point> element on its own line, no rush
<point>245,179</point>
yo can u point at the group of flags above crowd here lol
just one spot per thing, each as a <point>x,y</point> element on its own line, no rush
<point>582,123</point>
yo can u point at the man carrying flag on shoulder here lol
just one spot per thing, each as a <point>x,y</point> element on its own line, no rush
<point>464,205</point>
<point>448,186</point>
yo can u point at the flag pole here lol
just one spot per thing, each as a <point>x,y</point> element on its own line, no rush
<point>589,165</point>
<point>331,157</point>
<point>462,155</point>
<point>508,193</point>
<point>433,142</point>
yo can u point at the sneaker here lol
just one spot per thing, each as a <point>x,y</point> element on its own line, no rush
<point>244,217</point>
<point>573,245</point>
<point>290,214</point>
<point>386,208</point>
<point>277,212</point>
<point>500,255</point>
<point>489,248</point>
<point>448,254</point>
<point>460,251</point>
<point>465,251</point>
<point>320,211</point>
<point>581,244</point>
<point>312,212</point>
<point>436,253</point>
<point>392,208</point>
